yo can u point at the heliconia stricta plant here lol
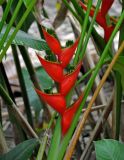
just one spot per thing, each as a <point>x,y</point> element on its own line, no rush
<point>66,81</point>
<point>101,17</point>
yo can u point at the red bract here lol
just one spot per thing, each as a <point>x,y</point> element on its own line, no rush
<point>69,81</point>
<point>106,5</point>
<point>66,82</point>
<point>53,69</point>
<point>108,32</point>
<point>56,101</point>
<point>68,115</point>
<point>101,17</point>
<point>52,42</point>
<point>67,54</point>
<point>64,55</point>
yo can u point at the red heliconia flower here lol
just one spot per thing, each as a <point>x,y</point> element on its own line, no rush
<point>54,69</point>
<point>106,5</point>
<point>56,101</point>
<point>101,17</point>
<point>67,54</point>
<point>52,42</point>
<point>64,55</point>
<point>69,81</point>
<point>68,115</point>
<point>108,31</point>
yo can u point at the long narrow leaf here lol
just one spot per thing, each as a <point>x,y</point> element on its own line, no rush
<point>25,39</point>
<point>5,14</point>
<point>17,29</point>
<point>23,151</point>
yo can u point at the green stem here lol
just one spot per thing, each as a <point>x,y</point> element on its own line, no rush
<point>87,90</point>
<point>84,76</point>
<point>90,29</point>
<point>44,140</point>
<point>98,40</point>
<point>18,116</point>
<point>72,11</point>
<point>52,154</point>
<point>118,97</point>
<point>77,8</point>
<point>17,28</point>
<point>3,144</point>
<point>16,126</point>
<point>23,87</point>
<point>5,14</point>
<point>83,32</point>
<point>118,85</point>
<point>10,24</point>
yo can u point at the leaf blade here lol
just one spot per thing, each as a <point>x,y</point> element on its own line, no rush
<point>109,149</point>
<point>23,38</point>
<point>21,151</point>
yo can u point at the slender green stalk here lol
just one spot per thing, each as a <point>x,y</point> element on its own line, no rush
<point>84,76</point>
<point>5,81</point>
<point>90,29</point>
<point>55,143</point>
<point>83,32</point>
<point>18,131</point>
<point>10,24</point>
<point>77,8</point>
<point>88,89</point>
<point>118,87</point>
<point>72,11</point>
<point>22,85</point>
<point>5,14</point>
<point>17,114</point>
<point>3,144</point>
<point>118,97</point>
<point>98,40</point>
<point>17,28</point>
<point>44,140</point>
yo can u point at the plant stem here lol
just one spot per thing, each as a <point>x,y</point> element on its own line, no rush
<point>83,32</point>
<point>18,131</point>
<point>99,125</point>
<point>90,30</point>
<point>86,114</point>
<point>3,144</point>
<point>44,140</point>
<point>10,24</point>
<point>88,89</point>
<point>16,29</point>
<point>22,85</point>
<point>7,9</point>
<point>72,11</point>
<point>53,151</point>
<point>16,113</point>
<point>118,93</point>
<point>85,75</point>
<point>117,106</point>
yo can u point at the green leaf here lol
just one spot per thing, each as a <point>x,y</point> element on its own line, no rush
<point>45,81</point>
<point>119,66</point>
<point>26,2</point>
<point>109,149</point>
<point>30,18</point>
<point>54,147</point>
<point>22,151</point>
<point>25,39</point>
<point>2,1</point>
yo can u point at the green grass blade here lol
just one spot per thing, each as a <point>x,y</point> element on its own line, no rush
<point>17,28</point>
<point>10,24</point>
<point>7,9</point>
